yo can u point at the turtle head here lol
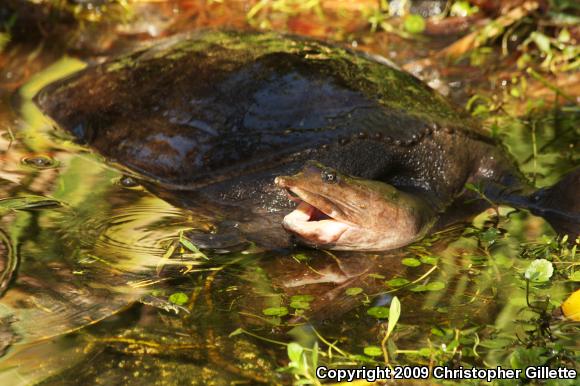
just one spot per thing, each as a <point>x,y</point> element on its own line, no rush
<point>337,211</point>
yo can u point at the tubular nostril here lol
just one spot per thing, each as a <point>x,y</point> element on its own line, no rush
<point>281,181</point>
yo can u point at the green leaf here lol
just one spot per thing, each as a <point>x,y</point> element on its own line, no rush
<point>478,111</point>
<point>397,282</point>
<point>414,24</point>
<point>189,245</point>
<point>539,270</point>
<point>419,288</point>
<point>435,286</point>
<point>432,260</point>
<point>564,36</point>
<point>522,357</point>
<point>490,235</point>
<point>373,351</point>
<point>178,298</point>
<point>301,302</point>
<point>574,276</point>
<point>523,61</point>
<point>353,291</point>
<point>295,351</point>
<point>394,314</point>
<point>301,257</point>
<point>496,343</point>
<point>411,262</point>
<point>4,40</point>
<point>275,311</point>
<point>437,331</point>
<point>378,312</point>
<point>462,9</point>
<point>542,41</point>
<point>315,355</point>
<point>376,276</point>
<point>425,352</point>
<point>392,349</point>
<point>237,331</point>
<point>452,346</point>
<point>302,298</point>
<point>360,358</point>
<point>299,305</point>
<point>472,187</point>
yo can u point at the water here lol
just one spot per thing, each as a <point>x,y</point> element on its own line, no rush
<point>98,288</point>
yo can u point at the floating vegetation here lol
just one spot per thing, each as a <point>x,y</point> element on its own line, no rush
<point>540,270</point>
<point>178,298</point>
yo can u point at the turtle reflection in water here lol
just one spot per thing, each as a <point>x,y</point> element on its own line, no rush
<point>210,120</point>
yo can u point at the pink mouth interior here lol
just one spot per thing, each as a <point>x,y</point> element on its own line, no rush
<point>313,213</point>
<point>309,212</point>
<point>312,224</point>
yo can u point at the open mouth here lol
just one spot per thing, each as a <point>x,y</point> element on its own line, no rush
<point>310,222</point>
<point>305,210</point>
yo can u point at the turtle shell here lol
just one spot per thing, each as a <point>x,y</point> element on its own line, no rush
<point>205,107</point>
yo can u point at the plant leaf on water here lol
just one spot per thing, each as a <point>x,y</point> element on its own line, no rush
<point>419,288</point>
<point>178,298</point>
<point>394,314</point>
<point>302,298</point>
<point>378,312</point>
<point>539,270</point>
<point>435,286</point>
<point>275,311</point>
<point>300,305</point>
<point>373,351</point>
<point>397,282</point>
<point>432,260</point>
<point>411,262</point>
<point>353,291</point>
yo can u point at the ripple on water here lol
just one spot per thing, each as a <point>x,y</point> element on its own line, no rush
<point>134,238</point>
<point>92,265</point>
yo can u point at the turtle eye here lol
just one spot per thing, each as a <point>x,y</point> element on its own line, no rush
<point>329,177</point>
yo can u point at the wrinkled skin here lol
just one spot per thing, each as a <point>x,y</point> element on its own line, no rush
<point>209,120</point>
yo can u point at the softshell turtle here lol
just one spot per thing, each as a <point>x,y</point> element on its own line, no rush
<point>211,119</point>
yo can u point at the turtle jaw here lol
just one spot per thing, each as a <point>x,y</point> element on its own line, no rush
<point>317,220</point>
<point>352,214</point>
<point>314,226</point>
